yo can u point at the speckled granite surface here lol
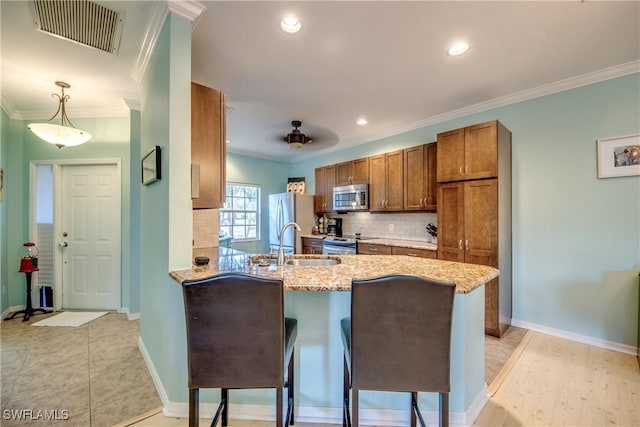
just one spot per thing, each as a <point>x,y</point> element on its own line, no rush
<point>467,277</point>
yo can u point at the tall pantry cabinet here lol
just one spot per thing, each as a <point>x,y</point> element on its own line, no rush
<point>474,209</point>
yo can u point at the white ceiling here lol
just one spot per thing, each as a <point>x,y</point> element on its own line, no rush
<point>385,61</point>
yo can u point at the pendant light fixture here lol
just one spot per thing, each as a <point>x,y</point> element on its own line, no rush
<point>64,134</point>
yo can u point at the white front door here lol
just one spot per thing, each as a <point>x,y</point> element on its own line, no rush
<point>90,237</point>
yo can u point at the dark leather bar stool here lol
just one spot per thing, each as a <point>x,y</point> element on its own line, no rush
<point>238,338</point>
<point>398,338</point>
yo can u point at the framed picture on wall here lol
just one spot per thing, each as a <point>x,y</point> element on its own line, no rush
<point>151,166</point>
<point>619,156</point>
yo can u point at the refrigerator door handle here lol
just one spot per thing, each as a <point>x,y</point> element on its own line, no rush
<point>279,216</point>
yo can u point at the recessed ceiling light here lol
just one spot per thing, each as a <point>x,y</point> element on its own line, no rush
<point>290,24</point>
<point>362,121</point>
<point>458,49</point>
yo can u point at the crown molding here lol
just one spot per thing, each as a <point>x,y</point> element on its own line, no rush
<point>536,92</point>
<point>525,95</point>
<point>8,108</point>
<point>132,104</point>
<point>156,21</point>
<point>189,9</point>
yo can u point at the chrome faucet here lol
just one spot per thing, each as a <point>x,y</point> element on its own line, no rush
<point>280,248</point>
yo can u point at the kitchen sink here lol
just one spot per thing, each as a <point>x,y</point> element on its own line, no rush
<point>312,262</point>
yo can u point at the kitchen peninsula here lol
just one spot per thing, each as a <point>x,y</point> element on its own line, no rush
<point>318,297</point>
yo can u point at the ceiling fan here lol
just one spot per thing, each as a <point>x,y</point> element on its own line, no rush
<point>297,139</point>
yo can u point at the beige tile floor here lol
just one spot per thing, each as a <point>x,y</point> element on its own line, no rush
<point>96,372</point>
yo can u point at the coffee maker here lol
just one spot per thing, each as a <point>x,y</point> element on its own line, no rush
<point>334,227</point>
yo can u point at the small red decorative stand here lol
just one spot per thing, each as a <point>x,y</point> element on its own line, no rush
<point>27,267</point>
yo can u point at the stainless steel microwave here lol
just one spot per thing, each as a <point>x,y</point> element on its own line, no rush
<point>351,198</point>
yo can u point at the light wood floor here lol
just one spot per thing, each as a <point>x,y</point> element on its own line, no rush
<point>552,382</point>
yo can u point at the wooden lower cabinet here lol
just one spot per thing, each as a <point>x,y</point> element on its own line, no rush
<point>373,249</point>
<point>311,245</point>
<point>420,253</point>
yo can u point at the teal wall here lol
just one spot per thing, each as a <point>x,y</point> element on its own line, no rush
<point>110,140</point>
<point>272,178</point>
<point>4,278</point>
<point>165,121</point>
<point>576,238</point>
<point>131,264</point>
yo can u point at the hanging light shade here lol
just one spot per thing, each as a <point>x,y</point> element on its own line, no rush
<point>64,134</point>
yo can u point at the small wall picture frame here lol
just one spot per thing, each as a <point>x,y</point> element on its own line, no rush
<point>619,156</point>
<point>150,164</point>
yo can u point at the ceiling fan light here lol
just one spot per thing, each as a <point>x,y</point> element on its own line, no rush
<point>296,145</point>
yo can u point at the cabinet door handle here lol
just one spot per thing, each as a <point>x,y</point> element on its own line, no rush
<point>373,249</point>
<point>460,244</point>
<point>466,170</point>
<point>411,254</point>
<point>460,170</point>
<point>466,245</point>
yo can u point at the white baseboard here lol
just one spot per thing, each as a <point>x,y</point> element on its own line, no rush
<point>584,339</point>
<point>130,316</point>
<point>12,309</point>
<point>309,414</point>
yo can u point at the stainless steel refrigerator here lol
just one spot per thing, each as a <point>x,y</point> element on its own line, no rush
<point>284,208</point>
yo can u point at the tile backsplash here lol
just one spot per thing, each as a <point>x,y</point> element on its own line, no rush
<point>407,226</point>
<point>206,223</point>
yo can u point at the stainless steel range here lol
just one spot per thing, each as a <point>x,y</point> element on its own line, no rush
<point>338,246</point>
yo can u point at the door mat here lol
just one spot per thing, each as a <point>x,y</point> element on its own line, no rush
<point>70,318</point>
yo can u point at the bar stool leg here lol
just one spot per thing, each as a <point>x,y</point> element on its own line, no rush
<point>194,410</point>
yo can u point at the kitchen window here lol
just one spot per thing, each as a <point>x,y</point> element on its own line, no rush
<point>240,215</point>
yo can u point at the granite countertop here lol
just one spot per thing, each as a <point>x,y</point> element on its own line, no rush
<point>467,277</point>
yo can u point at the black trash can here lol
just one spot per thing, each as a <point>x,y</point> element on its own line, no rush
<point>46,296</point>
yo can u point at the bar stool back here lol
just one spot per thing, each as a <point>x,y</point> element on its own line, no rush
<point>238,338</point>
<point>398,338</point>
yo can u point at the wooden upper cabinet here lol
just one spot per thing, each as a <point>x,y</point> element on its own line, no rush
<point>469,153</point>
<point>413,178</point>
<point>208,146</point>
<point>378,182</point>
<point>451,156</point>
<point>353,172</point>
<point>481,151</point>
<point>419,177</point>
<point>325,181</point>
<point>395,181</point>
<point>431,184</point>
<point>386,182</point>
